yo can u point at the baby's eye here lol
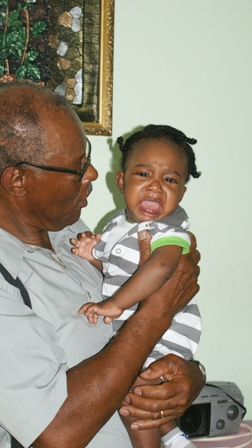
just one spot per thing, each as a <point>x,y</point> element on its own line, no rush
<point>142,174</point>
<point>170,179</point>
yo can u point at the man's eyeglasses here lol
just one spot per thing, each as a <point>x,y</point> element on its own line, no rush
<point>80,172</point>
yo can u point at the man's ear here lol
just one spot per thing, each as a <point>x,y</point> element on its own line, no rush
<point>182,195</point>
<point>12,181</point>
<point>120,181</point>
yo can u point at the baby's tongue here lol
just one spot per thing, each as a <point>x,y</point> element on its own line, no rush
<point>151,207</point>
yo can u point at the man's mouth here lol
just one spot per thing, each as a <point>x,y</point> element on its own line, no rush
<point>151,208</point>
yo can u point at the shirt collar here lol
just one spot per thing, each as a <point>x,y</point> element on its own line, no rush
<point>11,253</point>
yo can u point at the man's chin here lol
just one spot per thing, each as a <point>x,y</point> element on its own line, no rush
<point>69,221</point>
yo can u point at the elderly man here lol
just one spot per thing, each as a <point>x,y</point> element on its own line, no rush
<point>59,386</point>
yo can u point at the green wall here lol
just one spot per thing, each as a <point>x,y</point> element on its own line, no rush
<point>188,63</point>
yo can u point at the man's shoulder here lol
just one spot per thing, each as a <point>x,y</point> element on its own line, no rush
<point>62,237</point>
<point>11,253</point>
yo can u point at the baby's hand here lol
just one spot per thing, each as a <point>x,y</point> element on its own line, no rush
<point>90,310</point>
<point>106,308</point>
<point>84,243</point>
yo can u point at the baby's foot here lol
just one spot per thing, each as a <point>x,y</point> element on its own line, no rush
<point>176,439</point>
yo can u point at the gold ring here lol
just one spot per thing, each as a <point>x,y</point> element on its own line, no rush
<point>163,379</point>
<point>162,414</point>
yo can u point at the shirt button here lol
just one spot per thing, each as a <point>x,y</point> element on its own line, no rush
<point>118,251</point>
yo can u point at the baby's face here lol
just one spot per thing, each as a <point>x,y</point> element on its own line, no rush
<point>154,181</point>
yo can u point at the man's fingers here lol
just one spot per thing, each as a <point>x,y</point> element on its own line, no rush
<point>168,365</point>
<point>147,419</point>
<point>144,238</point>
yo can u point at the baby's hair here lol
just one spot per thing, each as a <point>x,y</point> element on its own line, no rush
<point>161,132</point>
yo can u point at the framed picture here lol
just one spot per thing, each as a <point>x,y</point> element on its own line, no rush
<point>66,45</point>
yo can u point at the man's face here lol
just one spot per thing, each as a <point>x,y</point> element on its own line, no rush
<point>55,199</point>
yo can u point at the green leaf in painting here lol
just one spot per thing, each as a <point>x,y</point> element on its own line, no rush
<point>4,3</point>
<point>21,71</point>
<point>34,71</point>
<point>38,28</point>
<point>14,15</point>
<point>4,53</point>
<point>16,37</point>
<point>16,52</point>
<point>2,17</point>
<point>15,24</point>
<point>32,55</point>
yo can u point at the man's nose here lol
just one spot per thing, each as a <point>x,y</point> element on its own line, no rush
<point>90,174</point>
<point>94,172</point>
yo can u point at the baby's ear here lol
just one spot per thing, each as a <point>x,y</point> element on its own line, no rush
<point>182,194</point>
<point>120,181</point>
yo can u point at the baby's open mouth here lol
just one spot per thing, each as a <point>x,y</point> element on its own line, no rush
<point>151,208</point>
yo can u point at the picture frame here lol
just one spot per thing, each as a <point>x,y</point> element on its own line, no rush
<point>66,45</point>
<point>102,124</point>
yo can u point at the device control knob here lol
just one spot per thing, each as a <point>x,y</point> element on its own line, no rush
<point>232,412</point>
<point>220,424</point>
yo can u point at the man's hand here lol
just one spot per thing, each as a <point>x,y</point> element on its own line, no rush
<point>184,383</point>
<point>182,285</point>
<point>144,239</point>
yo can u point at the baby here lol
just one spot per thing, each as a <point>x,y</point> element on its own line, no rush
<point>156,164</point>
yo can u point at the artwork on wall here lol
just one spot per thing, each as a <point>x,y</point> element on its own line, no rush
<point>66,45</point>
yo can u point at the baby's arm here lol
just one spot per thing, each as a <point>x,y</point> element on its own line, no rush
<point>149,277</point>
<point>83,246</point>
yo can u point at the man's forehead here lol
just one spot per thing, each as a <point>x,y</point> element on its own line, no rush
<point>64,119</point>
<point>64,135</point>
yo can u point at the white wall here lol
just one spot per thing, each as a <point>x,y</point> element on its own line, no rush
<point>188,63</point>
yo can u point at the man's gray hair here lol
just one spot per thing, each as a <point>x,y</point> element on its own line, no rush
<point>21,132</point>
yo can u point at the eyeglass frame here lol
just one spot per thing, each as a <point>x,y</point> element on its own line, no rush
<point>57,169</point>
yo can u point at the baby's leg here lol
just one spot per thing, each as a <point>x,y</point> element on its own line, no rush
<point>176,439</point>
<point>171,435</point>
<point>148,438</point>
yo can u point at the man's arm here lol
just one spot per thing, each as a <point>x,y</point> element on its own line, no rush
<point>97,386</point>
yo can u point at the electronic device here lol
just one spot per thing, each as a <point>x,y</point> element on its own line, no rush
<point>217,411</point>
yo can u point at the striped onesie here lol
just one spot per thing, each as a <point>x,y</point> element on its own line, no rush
<point>119,252</point>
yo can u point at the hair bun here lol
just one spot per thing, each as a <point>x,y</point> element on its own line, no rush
<point>191,141</point>
<point>120,143</point>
